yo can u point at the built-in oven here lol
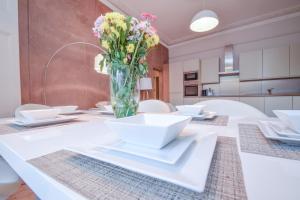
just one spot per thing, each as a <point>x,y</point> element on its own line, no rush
<point>191,90</point>
<point>190,76</point>
<point>190,84</point>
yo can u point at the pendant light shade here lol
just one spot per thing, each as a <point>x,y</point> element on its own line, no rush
<point>204,20</point>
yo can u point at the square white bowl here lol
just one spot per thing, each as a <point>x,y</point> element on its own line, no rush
<point>66,109</point>
<point>34,115</point>
<point>190,109</point>
<point>108,108</point>
<point>150,130</point>
<point>291,118</point>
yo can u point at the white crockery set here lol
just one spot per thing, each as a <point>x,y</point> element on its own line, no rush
<point>286,129</point>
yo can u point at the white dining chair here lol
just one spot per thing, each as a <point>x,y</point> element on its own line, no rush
<point>153,106</point>
<point>9,180</point>
<point>172,107</point>
<point>231,108</point>
<point>29,107</point>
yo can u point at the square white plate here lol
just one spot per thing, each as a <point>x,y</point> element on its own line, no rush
<point>58,119</point>
<point>105,112</point>
<point>269,133</point>
<point>75,112</point>
<point>190,171</point>
<point>168,154</point>
<point>282,130</point>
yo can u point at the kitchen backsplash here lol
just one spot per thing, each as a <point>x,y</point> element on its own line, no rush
<point>230,85</point>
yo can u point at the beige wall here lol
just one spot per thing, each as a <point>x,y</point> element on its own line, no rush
<point>9,56</point>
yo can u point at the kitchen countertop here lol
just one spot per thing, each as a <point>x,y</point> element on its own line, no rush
<point>255,95</point>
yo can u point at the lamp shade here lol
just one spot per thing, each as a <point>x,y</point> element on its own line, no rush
<point>204,20</point>
<point>146,83</point>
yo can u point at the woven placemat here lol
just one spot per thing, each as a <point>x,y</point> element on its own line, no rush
<point>8,128</point>
<point>253,141</point>
<point>219,120</point>
<point>95,179</point>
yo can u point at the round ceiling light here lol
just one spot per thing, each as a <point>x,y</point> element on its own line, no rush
<point>204,20</point>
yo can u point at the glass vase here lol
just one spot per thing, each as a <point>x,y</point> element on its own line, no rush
<point>124,91</point>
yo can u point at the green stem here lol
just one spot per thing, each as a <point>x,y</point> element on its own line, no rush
<point>136,48</point>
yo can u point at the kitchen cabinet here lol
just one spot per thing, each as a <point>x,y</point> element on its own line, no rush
<point>251,65</point>
<point>276,62</point>
<point>176,77</point>
<point>210,70</point>
<point>251,87</point>
<point>278,103</point>
<point>256,102</point>
<point>191,100</point>
<point>191,65</point>
<point>176,98</point>
<point>296,103</point>
<point>295,60</point>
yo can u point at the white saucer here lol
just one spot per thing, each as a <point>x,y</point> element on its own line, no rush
<point>204,115</point>
<point>269,133</point>
<point>58,119</point>
<point>168,154</point>
<point>284,131</point>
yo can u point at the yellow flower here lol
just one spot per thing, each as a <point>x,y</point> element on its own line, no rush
<point>105,26</point>
<point>151,41</point>
<point>155,39</point>
<point>125,60</point>
<point>114,31</point>
<point>120,23</point>
<point>114,15</point>
<point>105,44</point>
<point>130,48</point>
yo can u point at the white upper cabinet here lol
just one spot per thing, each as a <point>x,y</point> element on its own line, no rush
<point>191,65</point>
<point>295,60</point>
<point>176,77</point>
<point>251,65</point>
<point>210,70</point>
<point>276,62</point>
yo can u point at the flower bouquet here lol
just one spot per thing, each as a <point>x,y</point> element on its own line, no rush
<point>127,42</point>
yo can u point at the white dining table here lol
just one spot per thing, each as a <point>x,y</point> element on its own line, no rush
<point>265,177</point>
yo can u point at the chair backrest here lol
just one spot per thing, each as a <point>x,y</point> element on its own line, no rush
<point>153,106</point>
<point>232,108</point>
<point>172,107</point>
<point>29,107</point>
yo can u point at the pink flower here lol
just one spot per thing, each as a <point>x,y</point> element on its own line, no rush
<point>97,26</point>
<point>99,21</point>
<point>142,25</point>
<point>148,17</point>
<point>151,30</point>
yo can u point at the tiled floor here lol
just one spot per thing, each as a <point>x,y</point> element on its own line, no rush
<point>24,193</point>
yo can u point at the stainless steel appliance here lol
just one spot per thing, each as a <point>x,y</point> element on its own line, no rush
<point>190,76</point>
<point>191,90</point>
<point>191,84</point>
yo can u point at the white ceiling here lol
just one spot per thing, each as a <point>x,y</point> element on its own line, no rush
<point>174,16</point>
